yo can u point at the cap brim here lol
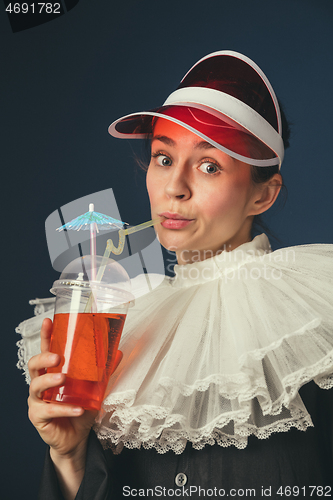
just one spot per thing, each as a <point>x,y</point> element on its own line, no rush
<point>214,127</point>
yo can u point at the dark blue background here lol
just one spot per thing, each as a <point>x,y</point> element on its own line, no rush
<point>63,82</point>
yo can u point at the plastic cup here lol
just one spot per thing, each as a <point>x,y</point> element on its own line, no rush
<point>88,322</point>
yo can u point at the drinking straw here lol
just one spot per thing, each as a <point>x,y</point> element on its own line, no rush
<point>110,247</point>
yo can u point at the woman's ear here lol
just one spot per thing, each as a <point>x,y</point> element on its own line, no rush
<point>266,194</point>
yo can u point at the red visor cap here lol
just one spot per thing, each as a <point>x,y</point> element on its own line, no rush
<point>226,100</point>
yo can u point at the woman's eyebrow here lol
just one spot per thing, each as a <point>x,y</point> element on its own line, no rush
<point>170,142</point>
<point>165,139</point>
<point>204,145</point>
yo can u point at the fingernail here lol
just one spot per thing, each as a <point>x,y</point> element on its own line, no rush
<point>77,410</point>
<point>53,357</point>
<point>57,376</point>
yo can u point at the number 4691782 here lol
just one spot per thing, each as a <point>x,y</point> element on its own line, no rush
<point>33,8</point>
<point>305,491</point>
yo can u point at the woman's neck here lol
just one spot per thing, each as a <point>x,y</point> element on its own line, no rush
<point>189,256</point>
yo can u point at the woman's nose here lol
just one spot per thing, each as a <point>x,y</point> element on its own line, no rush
<point>177,185</point>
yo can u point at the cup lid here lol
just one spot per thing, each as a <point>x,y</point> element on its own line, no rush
<point>111,279</point>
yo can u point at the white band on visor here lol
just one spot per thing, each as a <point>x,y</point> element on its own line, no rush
<point>235,109</point>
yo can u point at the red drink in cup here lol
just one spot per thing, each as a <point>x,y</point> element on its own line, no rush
<point>88,321</point>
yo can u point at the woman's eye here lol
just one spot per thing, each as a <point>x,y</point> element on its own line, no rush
<point>163,160</point>
<point>209,168</point>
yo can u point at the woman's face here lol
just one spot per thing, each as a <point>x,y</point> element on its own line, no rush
<point>206,198</point>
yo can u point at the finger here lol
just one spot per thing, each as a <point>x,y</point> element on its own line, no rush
<point>41,413</point>
<point>49,380</point>
<point>38,364</point>
<point>45,335</point>
<point>118,358</point>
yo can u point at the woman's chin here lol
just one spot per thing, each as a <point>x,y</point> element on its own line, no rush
<point>172,243</point>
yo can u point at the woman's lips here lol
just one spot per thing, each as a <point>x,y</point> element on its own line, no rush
<point>174,221</point>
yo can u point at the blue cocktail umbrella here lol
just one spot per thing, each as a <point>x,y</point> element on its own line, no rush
<point>94,221</point>
<point>100,221</point>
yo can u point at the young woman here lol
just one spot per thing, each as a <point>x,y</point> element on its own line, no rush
<point>213,358</point>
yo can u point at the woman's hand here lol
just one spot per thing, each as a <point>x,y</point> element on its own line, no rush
<point>65,428</point>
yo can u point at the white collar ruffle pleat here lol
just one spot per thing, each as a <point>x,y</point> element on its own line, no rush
<point>220,351</point>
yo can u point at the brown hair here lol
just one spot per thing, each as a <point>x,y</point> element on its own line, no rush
<point>263,174</point>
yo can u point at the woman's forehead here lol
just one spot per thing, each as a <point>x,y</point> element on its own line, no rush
<point>171,132</point>
<point>174,135</point>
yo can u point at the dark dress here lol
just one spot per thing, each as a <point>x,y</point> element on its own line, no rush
<point>293,464</point>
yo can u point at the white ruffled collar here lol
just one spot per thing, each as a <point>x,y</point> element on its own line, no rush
<point>213,356</point>
<point>225,262</point>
